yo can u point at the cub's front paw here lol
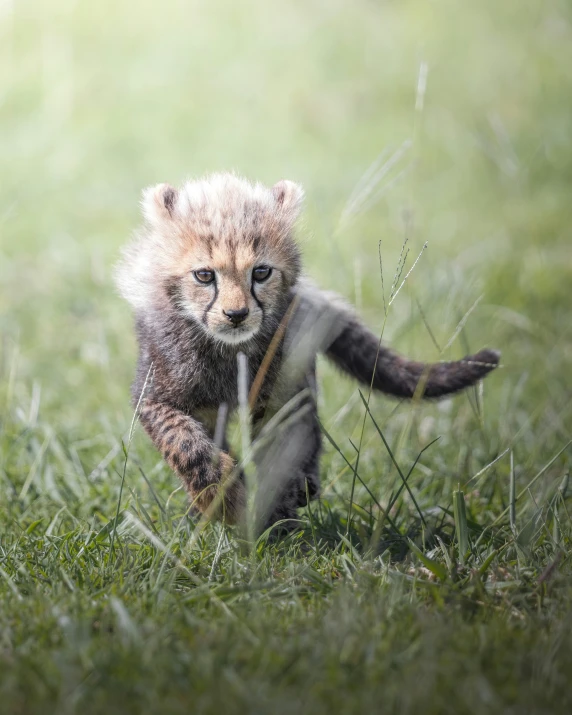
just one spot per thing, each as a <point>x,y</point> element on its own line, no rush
<point>218,490</point>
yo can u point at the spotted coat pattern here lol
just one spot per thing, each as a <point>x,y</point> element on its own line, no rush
<point>187,374</point>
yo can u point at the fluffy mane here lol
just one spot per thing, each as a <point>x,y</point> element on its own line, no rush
<point>222,208</point>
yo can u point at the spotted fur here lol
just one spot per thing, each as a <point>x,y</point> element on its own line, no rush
<point>189,337</point>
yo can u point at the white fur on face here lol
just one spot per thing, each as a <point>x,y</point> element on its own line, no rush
<point>235,336</point>
<point>223,333</point>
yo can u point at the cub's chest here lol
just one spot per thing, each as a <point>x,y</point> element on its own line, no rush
<point>213,380</point>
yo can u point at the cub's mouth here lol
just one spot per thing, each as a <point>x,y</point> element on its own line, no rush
<point>237,334</point>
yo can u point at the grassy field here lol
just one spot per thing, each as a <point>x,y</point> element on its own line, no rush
<point>119,605</point>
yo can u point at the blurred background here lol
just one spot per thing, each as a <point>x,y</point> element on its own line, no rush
<point>440,123</point>
<point>409,123</point>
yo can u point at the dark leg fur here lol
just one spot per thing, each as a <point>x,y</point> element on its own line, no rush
<point>355,350</point>
<point>190,452</point>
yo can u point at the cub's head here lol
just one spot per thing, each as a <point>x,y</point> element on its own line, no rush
<point>219,250</point>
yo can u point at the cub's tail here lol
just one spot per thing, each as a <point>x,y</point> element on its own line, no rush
<point>357,351</point>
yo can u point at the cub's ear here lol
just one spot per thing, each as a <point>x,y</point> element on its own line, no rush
<point>159,203</point>
<point>288,197</point>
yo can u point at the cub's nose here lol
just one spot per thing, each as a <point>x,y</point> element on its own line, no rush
<point>236,317</point>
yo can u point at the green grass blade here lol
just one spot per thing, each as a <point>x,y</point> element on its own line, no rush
<point>461,527</point>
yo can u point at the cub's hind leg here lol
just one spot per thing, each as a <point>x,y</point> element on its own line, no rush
<point>306,483</point>
<point>288,469</point>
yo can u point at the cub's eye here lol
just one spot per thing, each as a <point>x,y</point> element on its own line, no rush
<point>261,273</point>
<point>204,276</point>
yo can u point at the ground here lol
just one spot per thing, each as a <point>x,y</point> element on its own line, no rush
<point>388,599</point>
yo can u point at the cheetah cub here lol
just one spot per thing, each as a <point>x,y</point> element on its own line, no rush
<point>215,272</point>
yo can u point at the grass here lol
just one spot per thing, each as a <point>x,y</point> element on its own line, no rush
<point>448,595</point>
